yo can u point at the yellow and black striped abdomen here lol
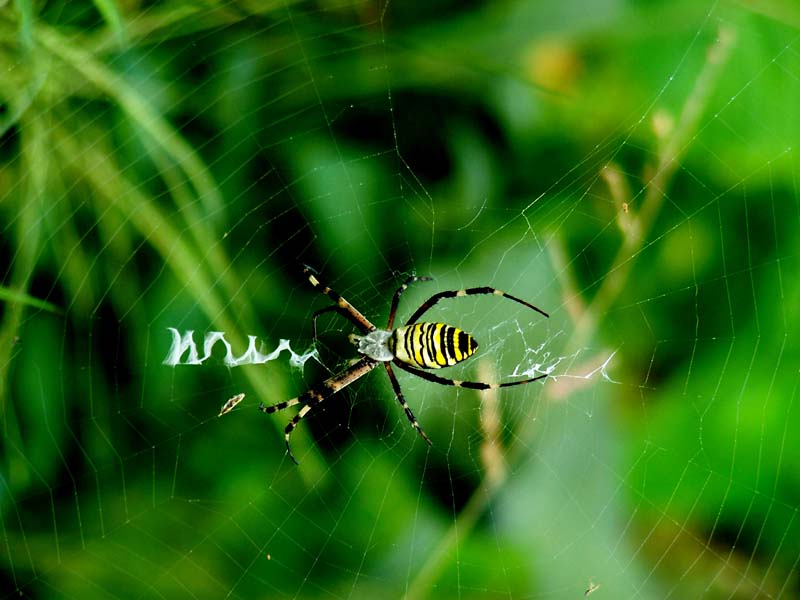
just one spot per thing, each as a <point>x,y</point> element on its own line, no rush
<point>431,345</point>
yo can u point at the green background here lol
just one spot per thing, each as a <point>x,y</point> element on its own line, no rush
<point>626,165</point>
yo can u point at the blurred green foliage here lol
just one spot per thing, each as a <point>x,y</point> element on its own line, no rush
<point>628,165</point>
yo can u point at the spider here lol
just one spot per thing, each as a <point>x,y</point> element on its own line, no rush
<point>411,347</point>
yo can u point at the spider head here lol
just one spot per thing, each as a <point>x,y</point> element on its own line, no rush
<point>375,344</point>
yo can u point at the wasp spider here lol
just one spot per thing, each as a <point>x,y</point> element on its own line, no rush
<point>411,347</point>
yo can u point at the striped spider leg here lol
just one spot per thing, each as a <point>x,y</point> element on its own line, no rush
<point>476,291</point>
<point>317,394</point>
<point>472,385</point>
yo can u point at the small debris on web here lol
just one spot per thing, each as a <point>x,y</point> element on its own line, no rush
<point>593,587</point>
<point>230,404</point>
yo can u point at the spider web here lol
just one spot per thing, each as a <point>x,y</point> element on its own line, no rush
<point>628,169</point>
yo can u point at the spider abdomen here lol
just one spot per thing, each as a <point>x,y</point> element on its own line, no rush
<point>431,345</point>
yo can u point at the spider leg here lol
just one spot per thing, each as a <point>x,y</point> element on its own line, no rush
<point>398,293</point>
<point>476,291</point>
<point>473,385</point>
<point>317,394</point>
<point>346,309</point>
<point>399,394</point>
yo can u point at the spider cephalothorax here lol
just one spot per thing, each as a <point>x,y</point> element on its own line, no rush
<point>411,347</point>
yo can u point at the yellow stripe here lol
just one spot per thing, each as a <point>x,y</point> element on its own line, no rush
<point>441,359</point>
<point>417,345</point>
<point>469,351</point>
<point>429,348</point>
<point>456,349</point>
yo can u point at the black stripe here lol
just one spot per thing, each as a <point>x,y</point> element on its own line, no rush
<point>416,344</point>
<point>434,360</point>
<point>422,343</point>
<point>426,345</point>
<point>449,346</point>
<point>480,290</point>
<point>443,345</point>
<point>463,343</point>
<point>408,343</point>
<point>475,385</point>
<point>429,346</point>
